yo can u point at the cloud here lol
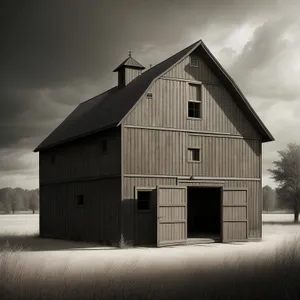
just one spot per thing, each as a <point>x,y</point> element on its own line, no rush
<point>16,161</point>
<point>55,54</point>
<point>268,65</point>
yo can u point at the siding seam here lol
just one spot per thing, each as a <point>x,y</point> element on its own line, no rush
<point>193,132</point>
<point>191,81</point>
<point>80,180</point>
<point>178,178</point>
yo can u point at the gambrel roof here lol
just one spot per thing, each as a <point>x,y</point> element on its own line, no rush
<point>108,109</point>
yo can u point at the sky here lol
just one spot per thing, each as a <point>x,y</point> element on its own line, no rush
<point>56,54</point>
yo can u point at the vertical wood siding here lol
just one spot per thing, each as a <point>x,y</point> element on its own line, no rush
<point>253,192</point>
<point>254,205</point>
<point>131,74</point>
<point>235,215</point>
<point>160,152</point>
<point>169,108</point>
<point>96,221</point>
<point>130,219</point>
<point>82,159</point>
<point>235,231</point>
<point>172,215</point>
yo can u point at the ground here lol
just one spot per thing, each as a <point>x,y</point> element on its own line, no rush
<point>277,229</point>
<point>57,256</point>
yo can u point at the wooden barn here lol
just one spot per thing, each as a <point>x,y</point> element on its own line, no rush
<point>170,155</point>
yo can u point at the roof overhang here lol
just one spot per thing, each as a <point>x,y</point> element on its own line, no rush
<point>41,148</point>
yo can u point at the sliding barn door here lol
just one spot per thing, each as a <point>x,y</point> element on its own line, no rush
<point>171,215</point>
<point>234,215</point>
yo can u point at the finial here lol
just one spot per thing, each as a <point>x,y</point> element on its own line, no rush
<point>129,52</point>
<point>150,66</point>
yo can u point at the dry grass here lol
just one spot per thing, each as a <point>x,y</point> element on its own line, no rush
<point>269,277</point>
<point>124,244</point>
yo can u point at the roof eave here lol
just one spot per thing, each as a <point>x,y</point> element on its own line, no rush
<point>42,148</point>
<point>131,67</point>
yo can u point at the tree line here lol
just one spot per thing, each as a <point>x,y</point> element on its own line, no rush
<point>18,199</point>
<point>272,200</point>
<point>286,173</point>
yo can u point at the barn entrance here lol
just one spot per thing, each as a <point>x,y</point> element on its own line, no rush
<point>193,215</point>
<point>203,214</point>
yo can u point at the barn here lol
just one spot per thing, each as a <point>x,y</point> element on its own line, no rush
<point>171,155</point>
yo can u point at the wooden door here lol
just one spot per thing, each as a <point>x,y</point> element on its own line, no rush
<point>171,215</point>
<point>234,215</point>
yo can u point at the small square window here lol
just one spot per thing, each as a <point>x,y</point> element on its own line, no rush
<point>194,154</point>
<point>194,62</point>
<point>104,146</point>
<point>80,200</point>
<point>194,109</point>
<point>149,95</point>
<point>143,200</point>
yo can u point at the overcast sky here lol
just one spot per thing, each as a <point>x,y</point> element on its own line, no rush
<point>55,54</point>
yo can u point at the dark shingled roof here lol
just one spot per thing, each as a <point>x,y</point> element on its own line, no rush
<point>109,108</point>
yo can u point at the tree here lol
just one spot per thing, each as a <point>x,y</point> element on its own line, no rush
<point>26,199</point>
<point>282,197</point>
<point>287,174</point>
<point>269,199</point>
<point>6,201</point>
<point>34,200</point>
<point>15,200</point>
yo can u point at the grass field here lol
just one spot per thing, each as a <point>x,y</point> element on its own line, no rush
<point>48,269</point>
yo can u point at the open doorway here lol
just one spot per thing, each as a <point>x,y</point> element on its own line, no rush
<point>204,213</point>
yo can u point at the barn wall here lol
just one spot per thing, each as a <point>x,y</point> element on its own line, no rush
<point>163,152</point>
<point>97,221</point>
<point>82,159</point>
<point>158,132</point>
<point>132,221</point>
<point>169,106</point>
<point>130,214</point>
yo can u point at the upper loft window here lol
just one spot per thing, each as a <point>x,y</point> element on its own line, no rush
<point>104,146</point>
<point>194,103</point>
<point>194,109</point>
<point>194,61</point>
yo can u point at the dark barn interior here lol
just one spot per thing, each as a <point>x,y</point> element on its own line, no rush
<point>204,212</point>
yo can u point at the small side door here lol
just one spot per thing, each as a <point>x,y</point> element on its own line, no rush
<point>171,215</point>
<point>234,215</point>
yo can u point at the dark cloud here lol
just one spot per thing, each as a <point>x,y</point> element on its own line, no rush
<point>55,54</point>
<point>45,43</point>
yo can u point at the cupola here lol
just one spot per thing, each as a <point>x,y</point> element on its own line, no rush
<point>128,70</point>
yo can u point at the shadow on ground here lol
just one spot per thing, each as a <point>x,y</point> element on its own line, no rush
<point>274,277</point>
<point>26,243</point>
<point>34,243</point>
